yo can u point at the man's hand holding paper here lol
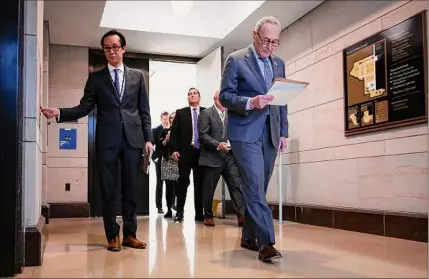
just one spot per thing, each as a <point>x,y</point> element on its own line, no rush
<point>283,91</point>
<point>260,101</point>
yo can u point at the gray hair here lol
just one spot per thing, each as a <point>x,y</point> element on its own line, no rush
<point>266,19</point>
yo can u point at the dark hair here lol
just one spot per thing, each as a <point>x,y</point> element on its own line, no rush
<point>112,33</point>
<point>195,90</point>
<point>164,113</point>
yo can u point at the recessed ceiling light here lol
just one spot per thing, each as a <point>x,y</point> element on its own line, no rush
<point>181,7</point>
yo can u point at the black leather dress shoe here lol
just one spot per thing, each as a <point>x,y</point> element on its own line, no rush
<point>250,244</point>
<point>269,253</point>
<point>179,217</point>
<point>169,214</point>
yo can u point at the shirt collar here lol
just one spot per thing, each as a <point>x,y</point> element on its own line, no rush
<point>192,108</point>
<point>120,68</point>
<point>218,110</point>
<point>256,54</point>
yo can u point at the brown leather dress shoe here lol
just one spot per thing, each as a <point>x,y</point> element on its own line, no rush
<point>114,245</point>
<point>209,222</point>
<point>250,244</point>
<point>240,220</point>
<point>269,253</point>
<point>133,242</point>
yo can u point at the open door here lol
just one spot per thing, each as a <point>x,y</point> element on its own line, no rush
<point>209,74</point>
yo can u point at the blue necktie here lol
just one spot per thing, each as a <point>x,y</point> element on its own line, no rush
<point>268,73</point>
<point>118,89</point>
<point>268,77</point>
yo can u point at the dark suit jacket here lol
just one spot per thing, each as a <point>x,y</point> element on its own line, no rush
<point>165,149</point>
<point>181,132</point>
<point>156,132</point>
<point>212,132</point>
<point>242,79</point>
<point>132,113</point>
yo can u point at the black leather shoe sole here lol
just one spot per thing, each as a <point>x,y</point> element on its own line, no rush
<point>114,249</point>
<point>269,259</point>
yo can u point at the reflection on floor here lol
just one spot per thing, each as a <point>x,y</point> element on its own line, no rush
<point>75,249</point>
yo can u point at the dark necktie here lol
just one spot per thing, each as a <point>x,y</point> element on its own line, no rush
<point>268,73</point>
<point>117,86</point>
<point>195,117</point>
<point>268,77</point>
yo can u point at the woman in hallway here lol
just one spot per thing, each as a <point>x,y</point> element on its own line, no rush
<point>164,144</point>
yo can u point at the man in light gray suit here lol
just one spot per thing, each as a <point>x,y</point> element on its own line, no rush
<point>256,129</point>
<point>216,160</point>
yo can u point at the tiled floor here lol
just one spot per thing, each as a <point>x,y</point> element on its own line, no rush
<point>75,249</point>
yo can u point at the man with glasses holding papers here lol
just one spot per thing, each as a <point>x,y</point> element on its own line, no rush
<point>257,130</point>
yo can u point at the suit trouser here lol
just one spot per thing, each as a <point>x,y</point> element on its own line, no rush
<point>185,167</point>
<point>159,182</point>
<point>256,163</point>
<point>229,171</point>
<point>108,162</point>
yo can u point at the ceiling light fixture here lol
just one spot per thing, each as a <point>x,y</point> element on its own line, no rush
<point>181,7</point>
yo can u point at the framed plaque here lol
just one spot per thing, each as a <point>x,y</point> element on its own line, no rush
<point>385,80</point>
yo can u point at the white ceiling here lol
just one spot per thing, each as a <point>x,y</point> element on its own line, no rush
<point>148,26</point>
<point>145,16</point>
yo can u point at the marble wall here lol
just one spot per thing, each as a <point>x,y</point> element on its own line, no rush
<point>382,171</point>
<point>33,122</point>
<point>68,71</point>
<point>44,103</point>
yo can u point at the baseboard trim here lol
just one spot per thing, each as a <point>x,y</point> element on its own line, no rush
<point>35,241</point>
<point>69,210</point>
<point>398,225</point>
<point>46,212</point>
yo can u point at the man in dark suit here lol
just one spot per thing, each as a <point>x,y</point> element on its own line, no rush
<point>256,129</point>
<point>185,146</point>
<point>156,158</point>
<point>216,160</point>
<point>123,131</point>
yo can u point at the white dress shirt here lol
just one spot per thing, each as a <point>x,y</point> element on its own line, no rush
<point>220,114</point>
<point>120,77</point>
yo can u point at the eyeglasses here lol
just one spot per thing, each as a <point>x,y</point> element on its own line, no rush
<point>266,41</point>
<point>114,48</point>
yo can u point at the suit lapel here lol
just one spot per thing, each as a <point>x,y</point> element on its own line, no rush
<point>127,79</point>
<point>275,68</point>
<point>225,125</point>
<point>253,65</point>
<point>108,80</point>
<point>189,116</point>
<point>217,117</point>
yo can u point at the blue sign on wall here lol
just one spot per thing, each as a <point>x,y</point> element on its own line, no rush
<point>68,138</point>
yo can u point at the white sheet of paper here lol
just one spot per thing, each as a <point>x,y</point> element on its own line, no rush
<point>284,92</point>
